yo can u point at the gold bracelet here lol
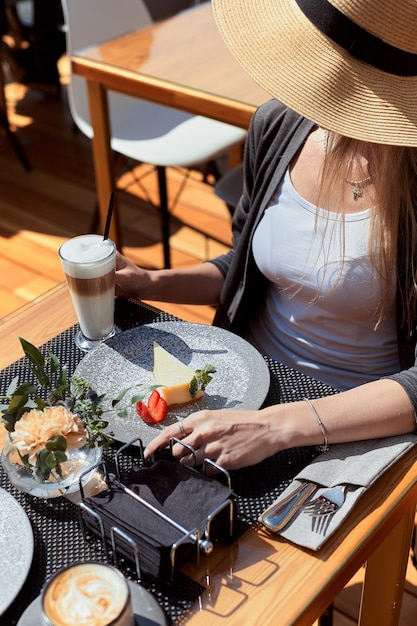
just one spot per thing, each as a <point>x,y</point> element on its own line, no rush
<point>325,447</point>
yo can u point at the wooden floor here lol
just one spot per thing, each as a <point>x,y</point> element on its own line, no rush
<point>56,200</point>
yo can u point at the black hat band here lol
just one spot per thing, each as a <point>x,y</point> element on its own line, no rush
<point>357,41</point>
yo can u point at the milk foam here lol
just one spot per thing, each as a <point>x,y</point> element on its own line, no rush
<point>88,594</point>
<point>87,256</point>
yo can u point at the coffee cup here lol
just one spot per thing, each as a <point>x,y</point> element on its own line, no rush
<point>89,265</point>
<point>87,594</point>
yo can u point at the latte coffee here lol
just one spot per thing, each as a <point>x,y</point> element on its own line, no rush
<point>87,594</point>
<point>89,263</point>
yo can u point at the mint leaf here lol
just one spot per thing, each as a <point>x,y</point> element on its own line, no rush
<point>201,379</point>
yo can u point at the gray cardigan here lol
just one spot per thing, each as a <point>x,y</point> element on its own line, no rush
<point>275,136</point>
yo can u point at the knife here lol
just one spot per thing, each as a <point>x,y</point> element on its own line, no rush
<point>277,516</point>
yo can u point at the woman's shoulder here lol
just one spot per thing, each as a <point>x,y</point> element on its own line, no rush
<point>274,110</point>
<point>274,119</point>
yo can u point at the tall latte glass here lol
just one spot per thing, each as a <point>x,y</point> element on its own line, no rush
<point>87,594</point>
<point>89,264</point>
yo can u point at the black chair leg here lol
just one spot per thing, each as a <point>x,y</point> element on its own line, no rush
<point>4,118</point>
<point>163,201</point>
<point>165,221</point>
<point>14,142</point>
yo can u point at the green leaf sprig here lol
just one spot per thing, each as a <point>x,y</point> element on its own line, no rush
<point>201,379</point>
<point>135,398</point>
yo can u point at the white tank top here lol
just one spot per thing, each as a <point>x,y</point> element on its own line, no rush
<point>319,316</point>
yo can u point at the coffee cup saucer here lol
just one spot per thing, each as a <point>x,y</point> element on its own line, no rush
<point>145,608</point>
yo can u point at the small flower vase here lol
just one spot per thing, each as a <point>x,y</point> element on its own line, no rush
<point>79,460</point>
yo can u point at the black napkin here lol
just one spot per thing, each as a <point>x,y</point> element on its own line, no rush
<point>181,493</point>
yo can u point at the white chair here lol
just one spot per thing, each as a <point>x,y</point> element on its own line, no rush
<point>141,130</point>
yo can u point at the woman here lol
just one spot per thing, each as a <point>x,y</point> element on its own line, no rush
<point>322,273</point>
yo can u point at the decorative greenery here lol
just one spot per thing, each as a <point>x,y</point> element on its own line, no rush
<point>70,414</point>
<point>201,379</point>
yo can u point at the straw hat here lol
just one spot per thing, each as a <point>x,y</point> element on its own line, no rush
<point>347,65</point>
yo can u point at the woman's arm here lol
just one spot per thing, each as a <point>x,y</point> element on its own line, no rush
<point>200,284</point>
<point>237,439</point>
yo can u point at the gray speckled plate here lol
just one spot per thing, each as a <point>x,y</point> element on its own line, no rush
<point>16,548</point>
<point>240,382</point>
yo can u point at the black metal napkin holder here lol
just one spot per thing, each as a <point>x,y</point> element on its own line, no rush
<point>161,529</point>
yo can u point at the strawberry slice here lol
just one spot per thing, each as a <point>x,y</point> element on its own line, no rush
<point>154,411</point>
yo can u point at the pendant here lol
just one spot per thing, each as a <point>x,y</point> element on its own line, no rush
<point>357,193</point>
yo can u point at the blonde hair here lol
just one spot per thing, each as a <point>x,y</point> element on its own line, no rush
<point>393,222</point>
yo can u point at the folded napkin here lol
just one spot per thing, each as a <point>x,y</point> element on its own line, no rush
<point>182,494</point>
<point>357,465</point>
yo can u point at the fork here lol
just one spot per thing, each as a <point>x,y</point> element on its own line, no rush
<point>325,506</point>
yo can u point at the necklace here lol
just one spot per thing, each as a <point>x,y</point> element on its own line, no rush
<point>356,184</point>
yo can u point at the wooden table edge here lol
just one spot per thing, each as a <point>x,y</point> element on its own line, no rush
<point>184,98</point>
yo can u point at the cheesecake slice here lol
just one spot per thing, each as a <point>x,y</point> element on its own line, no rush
<point>175,377</point>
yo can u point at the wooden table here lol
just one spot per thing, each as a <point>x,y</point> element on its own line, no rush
<point>261,579</point>
<point>181,62</point>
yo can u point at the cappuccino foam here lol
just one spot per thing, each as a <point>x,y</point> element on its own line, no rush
<point>87,594</point>
<point>87,256</point>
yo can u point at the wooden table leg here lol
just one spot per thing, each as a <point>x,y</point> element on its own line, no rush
<point>103,161</point>
<point>385,576</point>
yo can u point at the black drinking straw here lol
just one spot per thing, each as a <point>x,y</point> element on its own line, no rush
<point>109,214</point>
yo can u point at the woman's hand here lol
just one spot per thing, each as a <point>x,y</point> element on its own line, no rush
<point>199,284</point>
<point>236,439</point>
<point>232,439</point>
<point>131,280</point>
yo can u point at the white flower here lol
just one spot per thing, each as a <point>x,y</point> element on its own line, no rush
<point>36,427</point>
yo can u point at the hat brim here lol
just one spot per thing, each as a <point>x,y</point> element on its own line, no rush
<point>293,61</point>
